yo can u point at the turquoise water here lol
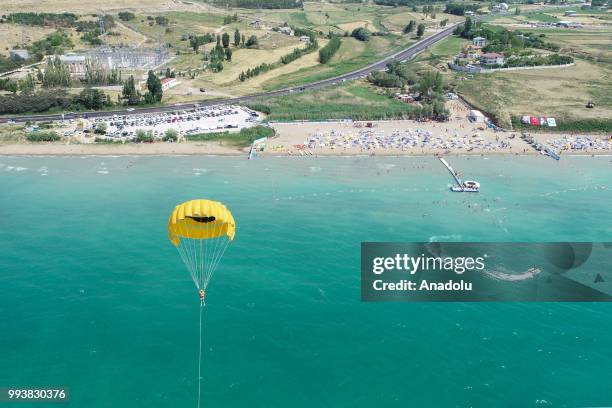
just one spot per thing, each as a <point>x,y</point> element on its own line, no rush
<point>94,297</point>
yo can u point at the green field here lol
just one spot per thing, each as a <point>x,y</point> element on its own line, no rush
<point>352,55</point>
<point>243,138</point>
<point>348,101</point>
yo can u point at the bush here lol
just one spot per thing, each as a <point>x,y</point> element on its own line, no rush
<point>170,136</point>
<point>126,16</point>
<point>143,137</point>
<point>252,41</point>
<point>361,33</point>
<point>101,128</point>
<point>43,137</point>
<point>385,80</point>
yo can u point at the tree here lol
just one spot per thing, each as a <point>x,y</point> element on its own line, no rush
<point>252,41</point>
<point>92,99</point>
<point>225,39</point>
<point>56,74</point>
<point>410,27</point>
<point>27,85</point>
<point>430,85</point>
<point>420,30</point>
<point>517,11</point>
<point>467,27</point>
<point>242,39</point>
<point>218,39</point>
<point>129,93</point>
<point>154,88</point>
<point>236,38</point>
<point>228,54</point>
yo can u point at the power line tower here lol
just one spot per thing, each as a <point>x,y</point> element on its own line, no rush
<point>101,22</point>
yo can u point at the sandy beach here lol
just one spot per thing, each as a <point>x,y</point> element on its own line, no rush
<point>342,138</point>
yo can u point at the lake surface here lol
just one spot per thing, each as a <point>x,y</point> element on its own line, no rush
<point>94,297</point>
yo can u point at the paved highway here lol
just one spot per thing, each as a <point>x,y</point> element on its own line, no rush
<point>377,66</point>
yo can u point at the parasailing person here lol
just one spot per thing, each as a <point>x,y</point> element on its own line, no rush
<point>201,230</point>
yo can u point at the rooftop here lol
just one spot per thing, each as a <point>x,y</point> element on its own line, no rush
<point>492,55</point>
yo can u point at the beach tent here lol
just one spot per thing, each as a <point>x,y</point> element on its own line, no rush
<point>525,120</point>
<point>551,122</point>
<point>476,116</point>
<point>534,121</point>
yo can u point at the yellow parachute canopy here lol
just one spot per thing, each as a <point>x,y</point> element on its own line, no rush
<point>200,219</point>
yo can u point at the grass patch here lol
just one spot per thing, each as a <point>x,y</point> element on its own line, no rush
<point>355,101</point>
<point>244,138</point>
<point>545,18</point>
<point>43,137</point>
<point>351,56</point>
<point>587,125</point>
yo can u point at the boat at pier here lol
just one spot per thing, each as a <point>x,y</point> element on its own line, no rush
<point>467,186</point>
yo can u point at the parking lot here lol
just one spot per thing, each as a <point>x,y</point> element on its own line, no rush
<point>185,122</point>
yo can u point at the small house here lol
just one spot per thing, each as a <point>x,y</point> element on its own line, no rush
<point>569,13</point>
<point>492,58</point>
<point>305,38</point>
<point>168,83</point>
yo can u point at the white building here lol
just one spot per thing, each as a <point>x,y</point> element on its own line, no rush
<point>76,64</point>
<point>305,39</point>
<point>479,41</point>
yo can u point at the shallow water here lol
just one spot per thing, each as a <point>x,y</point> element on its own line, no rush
<point>94,297</point>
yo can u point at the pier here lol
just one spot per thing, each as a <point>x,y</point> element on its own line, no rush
<point>451,171</point>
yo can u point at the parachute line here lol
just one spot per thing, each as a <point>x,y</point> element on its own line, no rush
<point>202,256</point>
<point>200,358</point>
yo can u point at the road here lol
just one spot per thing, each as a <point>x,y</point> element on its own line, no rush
<point>402,55</point>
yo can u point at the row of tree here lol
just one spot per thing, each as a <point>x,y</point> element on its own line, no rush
<point>299,52</point>
<point>420,29</point>
<point>327,52</point>
<point>250,73</point>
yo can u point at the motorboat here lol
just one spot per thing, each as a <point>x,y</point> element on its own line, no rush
<point>468,186</point>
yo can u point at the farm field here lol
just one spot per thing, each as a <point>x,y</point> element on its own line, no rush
<point>186,18</point>
<point>562,93</point>
<point>109,6</point>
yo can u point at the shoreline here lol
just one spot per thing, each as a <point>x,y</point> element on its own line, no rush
<point>213,149</point>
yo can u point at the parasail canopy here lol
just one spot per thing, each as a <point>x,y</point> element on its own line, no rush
<point>201,230</point>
